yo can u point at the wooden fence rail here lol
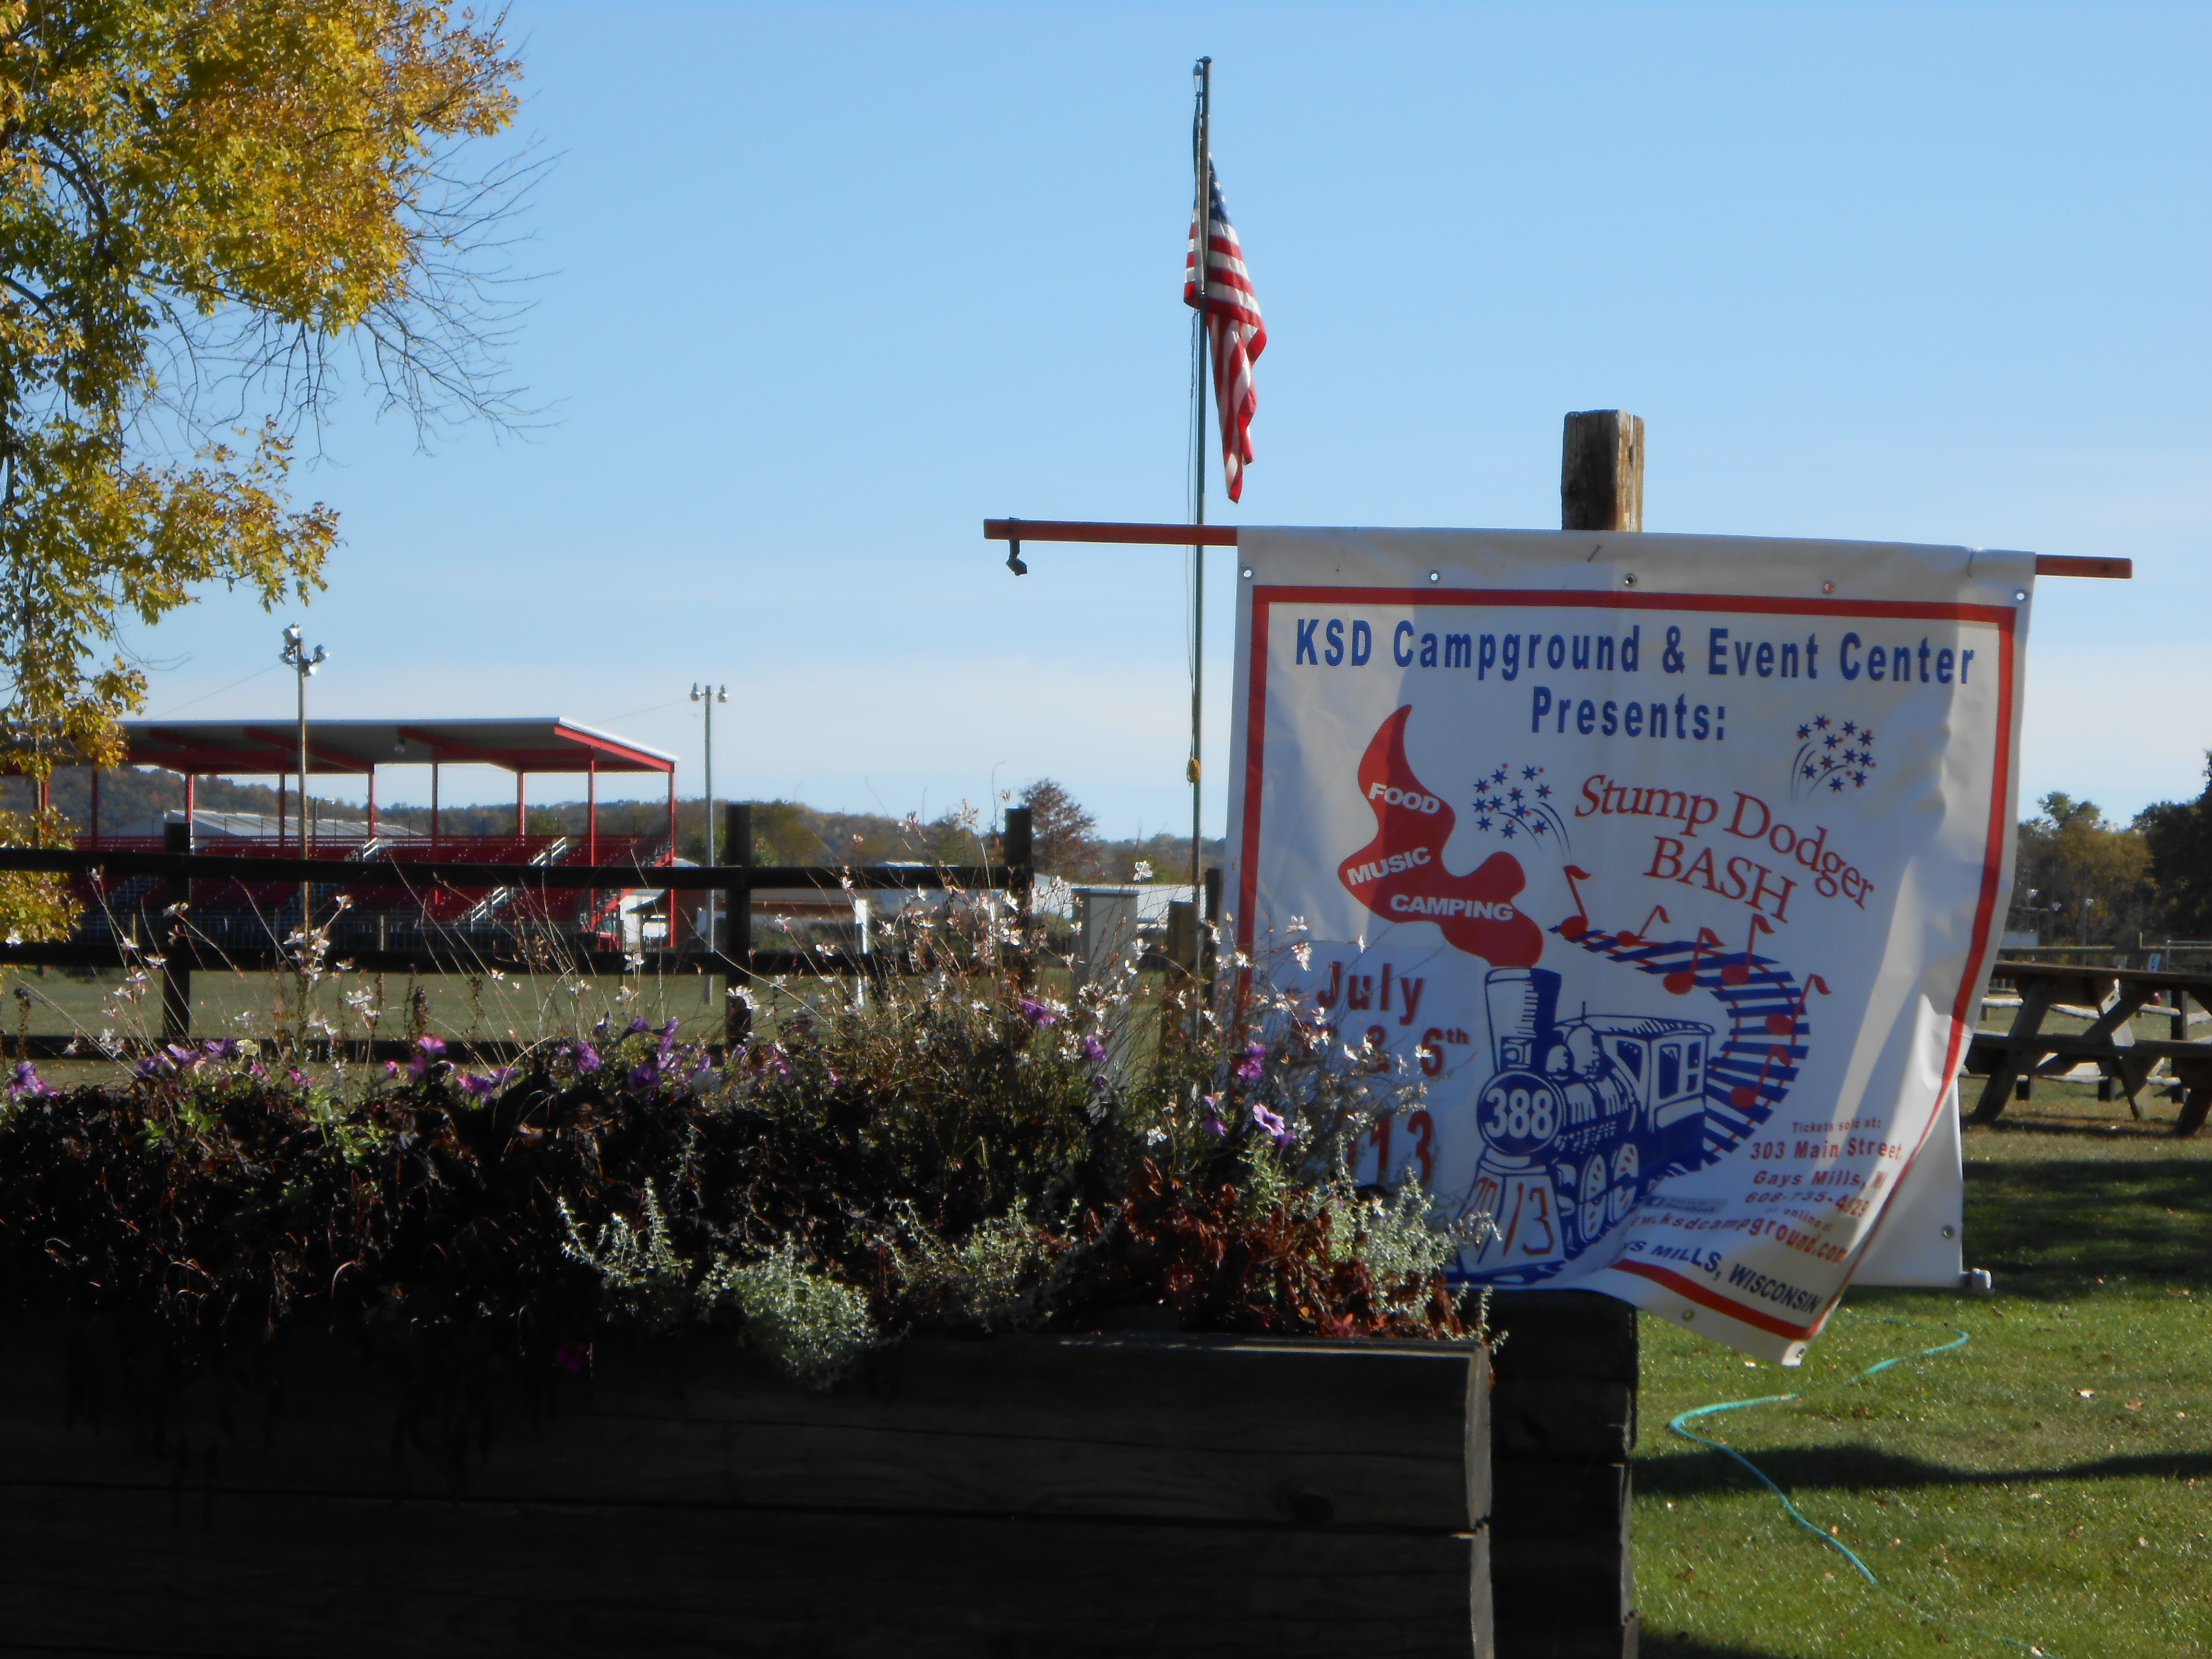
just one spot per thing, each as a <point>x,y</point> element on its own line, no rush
<point>443,950</point>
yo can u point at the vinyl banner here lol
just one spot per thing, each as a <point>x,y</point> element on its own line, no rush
<point>1674,864</point>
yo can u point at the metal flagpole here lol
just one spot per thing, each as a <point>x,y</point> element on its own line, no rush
<point>1202,220</point>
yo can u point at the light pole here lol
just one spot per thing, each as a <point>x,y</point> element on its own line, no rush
<point>302,664</point>
<point>710,694</point>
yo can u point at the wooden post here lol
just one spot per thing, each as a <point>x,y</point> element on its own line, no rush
<point>1209,951</point>
<point>737,920</point>
<point>1563,1416</point>
<point>1601,471</point>
<point>1021,879</point>
<point>176,970</point>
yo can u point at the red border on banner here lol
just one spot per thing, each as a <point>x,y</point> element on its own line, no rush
<point>2004,619</point>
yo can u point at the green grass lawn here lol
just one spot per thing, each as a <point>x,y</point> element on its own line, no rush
<point>2051,1482</point>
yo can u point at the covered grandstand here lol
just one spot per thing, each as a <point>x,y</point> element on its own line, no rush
<point>382,914</point>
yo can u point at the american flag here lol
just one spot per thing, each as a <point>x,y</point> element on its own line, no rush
<point>1235,332</point>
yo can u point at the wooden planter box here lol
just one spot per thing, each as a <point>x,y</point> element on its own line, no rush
<point>1112,1495</point>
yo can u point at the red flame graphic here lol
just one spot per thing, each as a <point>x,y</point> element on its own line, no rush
<point>1401,875</point>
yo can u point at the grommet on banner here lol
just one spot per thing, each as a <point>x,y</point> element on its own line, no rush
<point>1827,587</point>
<point>1436,576</point>
<point>2019,595</point>
<point>1248,573</point>
<point>1628,581</point>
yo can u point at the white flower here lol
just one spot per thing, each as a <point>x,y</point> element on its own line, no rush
<point>1143,871</point>
<point>1298,925</point>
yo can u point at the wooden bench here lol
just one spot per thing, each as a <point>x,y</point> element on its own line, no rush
<point>2009,1059</point>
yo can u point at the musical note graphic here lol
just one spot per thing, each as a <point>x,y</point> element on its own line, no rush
<point>1735,973</point>
<point>1680,980</point>
<point>1786,1024</point>
<point>1635,936</point>
<point>1744,1097</point>
<point>1577,924</point>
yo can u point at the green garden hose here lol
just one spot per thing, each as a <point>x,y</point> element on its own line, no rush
<point>1677,1426</point>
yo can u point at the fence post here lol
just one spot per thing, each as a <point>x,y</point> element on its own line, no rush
<point>1209,947</point>
<point>737,922</point>
<point>176,972</point>
<point>1020,860</point>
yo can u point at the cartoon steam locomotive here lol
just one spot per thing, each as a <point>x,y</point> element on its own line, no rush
<point>1604,1103</point>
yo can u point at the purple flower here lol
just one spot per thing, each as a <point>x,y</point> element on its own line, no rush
<point>637,1022</point>
<point>222,1047</point>
<point>391,1068</point>
<point>480,1087</point>
<point>585,1056</point>
<point>295,1076</point>
<point>642,1078</point>
<point>1277,1130</point>
<point>1255,1056</point>
<point>183,1056</point>
<point>427,1051</point>
<point>1094,1051</point>
<point>771,1058</point>
<point>834,1078</point>
<point>152,1066</point>
<point>1037,1014</point>
<point>27,1081</point>
<point>1213,1125</point>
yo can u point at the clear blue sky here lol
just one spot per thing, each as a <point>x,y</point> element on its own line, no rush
<point>825,285</point>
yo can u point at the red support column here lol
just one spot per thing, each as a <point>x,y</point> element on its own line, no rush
<point>283,783</point>
<point>191,778</point>
<point>592,810</point>
<point>517,803</point>
<point>372,803</point>
<point>433,809</point>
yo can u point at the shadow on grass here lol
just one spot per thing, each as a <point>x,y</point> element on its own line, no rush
<point>1865,1468</point>
<point>2054,1229</point>
<point>1653,1645</point>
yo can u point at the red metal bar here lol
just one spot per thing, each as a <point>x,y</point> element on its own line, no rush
<point>591,811</point>
<point>1217,535</point>
<point>518,802</point>
<point>1072,530</point>
<point>372,803</point>
<point>2064,564</point>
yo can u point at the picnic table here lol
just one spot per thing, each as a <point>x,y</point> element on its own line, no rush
<point>2113,997</point>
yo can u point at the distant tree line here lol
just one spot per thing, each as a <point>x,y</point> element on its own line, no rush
<point>2081,880</point>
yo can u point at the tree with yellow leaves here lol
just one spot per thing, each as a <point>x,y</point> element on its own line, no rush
<point>208,208</point>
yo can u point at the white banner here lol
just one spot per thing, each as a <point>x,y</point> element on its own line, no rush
<point>1675,864</point>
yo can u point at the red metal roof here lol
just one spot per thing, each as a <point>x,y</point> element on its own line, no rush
<point>223,747</point>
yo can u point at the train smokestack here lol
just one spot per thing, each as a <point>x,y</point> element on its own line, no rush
<point>1523,1004</point>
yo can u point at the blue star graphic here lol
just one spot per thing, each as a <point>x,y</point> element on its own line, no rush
<point>1812,771</point>
<point>1505,830</point>
<point>1543,791</point>
<point>1498,776</point>
<point>1537,828</point>
<point>1803,733</point>
<point>1482,823</point>
<point>1836,783</point>
<point>1849,729</point>
<point>1516,794</point>
<point>1859,778</point>
<point>1820,722</point>
<point>1831,740</point>
<point>1867,736</point>
<point>1530,771</point>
